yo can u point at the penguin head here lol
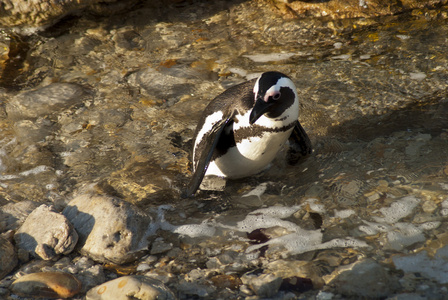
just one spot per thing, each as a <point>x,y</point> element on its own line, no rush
<point>274,93</point>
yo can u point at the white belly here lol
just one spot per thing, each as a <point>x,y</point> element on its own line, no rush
<point>250,156</point>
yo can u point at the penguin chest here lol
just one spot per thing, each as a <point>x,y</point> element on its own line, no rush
<point>254,149</point>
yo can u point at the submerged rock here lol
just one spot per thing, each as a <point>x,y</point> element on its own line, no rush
<point>43,101</point>
<point>46,285</point>
<point>13,215</point>
<point>110,229</point>
<point>46,233</point>
<point>366,279</point>
<point>135,287</point>
<point>265,285</point>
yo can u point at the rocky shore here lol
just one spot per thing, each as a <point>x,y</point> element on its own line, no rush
<point>99,103</point>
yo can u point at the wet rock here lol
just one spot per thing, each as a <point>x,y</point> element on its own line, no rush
<point>110,229</point>
<point>43,13</point>
<point>348,8</point>
<point>8,257</point>
<point>164,85</point>
<point>32,131</point>
<point>296,268</point>
<point>265,285</point>
<point>13,215</point>
<point>365,278</point>
<point>435,268</point>
<point>46,233</point>
<point>43,101</point>
<point>91,277</point>
<point>46,284</point>
<point>135,287</point>
<point>160,246</point>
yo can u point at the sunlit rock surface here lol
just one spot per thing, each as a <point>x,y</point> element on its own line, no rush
<point>110,229</point>
<point>46,233</point>
<point>108,105</point>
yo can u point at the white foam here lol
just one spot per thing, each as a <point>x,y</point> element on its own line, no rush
<point>308,240</point>
<point>195,230</point>
<point>343,214</point>
<point>398,210</point>
<point>403,235</point>
<point>280,212</point>
<point>34,171</point>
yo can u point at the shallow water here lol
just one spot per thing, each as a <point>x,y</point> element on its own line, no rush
<point>373,101</point>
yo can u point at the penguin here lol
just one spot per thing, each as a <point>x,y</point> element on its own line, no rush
<point>241,130</point>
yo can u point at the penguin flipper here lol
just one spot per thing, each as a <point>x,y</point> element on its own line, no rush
<point>299,145</point>
<point>204,160</point>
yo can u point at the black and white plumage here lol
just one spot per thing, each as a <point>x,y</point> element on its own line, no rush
<point>242,130</point>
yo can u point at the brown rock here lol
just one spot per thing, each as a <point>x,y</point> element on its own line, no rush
<point>46,285</point>
<point>8,257</point>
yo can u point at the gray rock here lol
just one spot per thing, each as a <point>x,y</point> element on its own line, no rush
<point>110,229</point>
<point>135,287</point>
<point>8,257</point>
<point>91,277</point>
<point>13,215</point>
<point>46,233</point>
<point>366,279</point>
<point>40,102</point>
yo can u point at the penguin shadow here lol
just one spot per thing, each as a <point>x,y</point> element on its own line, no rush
<point>429,116</point>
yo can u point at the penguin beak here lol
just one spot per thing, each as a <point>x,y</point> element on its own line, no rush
<point>259,109</point>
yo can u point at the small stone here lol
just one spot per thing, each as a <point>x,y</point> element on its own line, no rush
<point>159,246</point>
<point>265,285</point>
<point>135,287</point>
<point>226,281</point>
<point>143,267</point>
<point>8,257</point>
<point>110,229</point>
<point>46,233</point>
<point>91,277</point>
<point>46,284</point>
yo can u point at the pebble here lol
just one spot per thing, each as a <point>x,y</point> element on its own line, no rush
<point>110,229</point>
<point>135,287</point>
<point>46,233</point>
<point>46,284</point>
<point>265,285</point>
<point>8,257</point>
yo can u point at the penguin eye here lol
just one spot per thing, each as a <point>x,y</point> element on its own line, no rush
<point>276,96</point>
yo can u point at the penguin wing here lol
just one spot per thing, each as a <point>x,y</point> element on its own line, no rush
<point>299,145</point>
<point>208,146</point>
